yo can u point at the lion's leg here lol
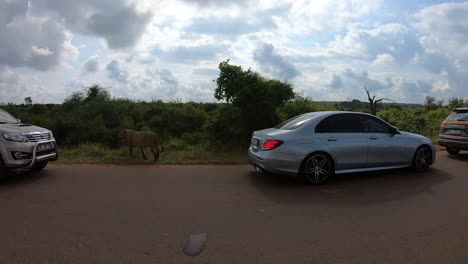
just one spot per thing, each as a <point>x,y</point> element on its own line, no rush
<point>155,153</point>
<point>143,153</point>
<point>130,149</point>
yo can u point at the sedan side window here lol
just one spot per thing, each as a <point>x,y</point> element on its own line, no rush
<point>374,125</point>
<point>340,123</point>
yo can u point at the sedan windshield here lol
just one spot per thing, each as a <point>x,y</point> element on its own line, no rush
<point>5,117</point>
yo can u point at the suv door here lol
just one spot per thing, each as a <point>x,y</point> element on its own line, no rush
<point>342,133</point>
<point>384,145</point>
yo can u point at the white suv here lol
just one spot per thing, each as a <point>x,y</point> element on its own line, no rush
<point>23,145</point>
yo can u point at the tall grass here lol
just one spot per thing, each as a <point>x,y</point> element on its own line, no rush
<point>176,151</point>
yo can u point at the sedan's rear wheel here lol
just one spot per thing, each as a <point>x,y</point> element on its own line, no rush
<point>452,150</point>
<point>317,168</point>
<point>422,158</point>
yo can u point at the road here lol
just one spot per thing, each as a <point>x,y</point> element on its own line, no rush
<point>145,214</point>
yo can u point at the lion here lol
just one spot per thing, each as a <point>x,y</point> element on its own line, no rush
<point>142,139</point>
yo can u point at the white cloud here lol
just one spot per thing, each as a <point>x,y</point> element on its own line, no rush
<point>328,49</point>
<point>32,41</point>
<point>384,60</point>
<point>272,63</point>
<point>444,27</point>
<point>116,72</point>
<point>14,88</point>
<point>396,40</point>
<point>92,65</point>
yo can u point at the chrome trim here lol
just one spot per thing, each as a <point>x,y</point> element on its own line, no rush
<point>45,157</point>
<point>38,136</point>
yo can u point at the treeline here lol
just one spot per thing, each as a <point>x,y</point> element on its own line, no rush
<point>94,117</point>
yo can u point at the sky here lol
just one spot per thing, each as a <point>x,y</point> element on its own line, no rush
<point>169,50</point>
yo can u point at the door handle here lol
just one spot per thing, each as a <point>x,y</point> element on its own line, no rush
<point>331,139</point>
<point>373,138</point>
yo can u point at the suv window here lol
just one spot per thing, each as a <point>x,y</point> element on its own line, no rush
<point>340,123</point>
<point>374,125</point>
<point>458,116</point>
<point>295,122</point>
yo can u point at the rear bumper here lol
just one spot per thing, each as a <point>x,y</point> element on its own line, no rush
<point>269,162</point>
<point>460,144</point>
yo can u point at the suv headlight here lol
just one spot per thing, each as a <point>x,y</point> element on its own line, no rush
<point>15,137</point>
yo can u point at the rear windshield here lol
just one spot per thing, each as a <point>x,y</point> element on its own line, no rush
<point>458,116</point>
<point>295,122</point>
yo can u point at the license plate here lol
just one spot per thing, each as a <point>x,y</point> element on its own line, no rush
<point>255,141</point>
<point>45,146</point>
<point>454,132</point>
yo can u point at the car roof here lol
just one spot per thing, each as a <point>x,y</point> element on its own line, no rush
<point>327,113</point>
<point>461,109</point>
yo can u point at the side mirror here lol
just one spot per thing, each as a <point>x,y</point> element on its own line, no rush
<point>19,120</point>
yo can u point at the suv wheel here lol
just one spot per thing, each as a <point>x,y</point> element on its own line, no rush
<point>452,150</point>
<point>40,165</point>
<point>3,169</point>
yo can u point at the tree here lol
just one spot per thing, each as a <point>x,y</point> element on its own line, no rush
<point>432,104</point>
<point>95,91</point>
<point>373,103</point>
<point>257,98</point>
<point>28,101</point>
<point>457,102</point>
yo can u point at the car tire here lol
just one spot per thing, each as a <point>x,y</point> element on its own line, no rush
<point>3,169</point>
<point>40,165</point>
<point>452,150</point>
<point>317,168</point>
<point>422,159</point>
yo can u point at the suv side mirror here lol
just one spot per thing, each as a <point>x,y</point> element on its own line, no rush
<point>19,120</point>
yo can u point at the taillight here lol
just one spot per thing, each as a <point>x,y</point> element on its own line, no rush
<point>466,127</point>
<point>271,144</point>
<point>444,126</point>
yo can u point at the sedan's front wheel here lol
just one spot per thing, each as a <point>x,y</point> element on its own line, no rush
<point>317,168</point>
<point>422,158</point>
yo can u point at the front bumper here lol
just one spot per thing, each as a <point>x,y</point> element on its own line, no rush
<point>28,147</point>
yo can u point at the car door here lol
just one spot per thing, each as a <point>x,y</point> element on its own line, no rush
<point>384,143</point>
<point>342,134</point>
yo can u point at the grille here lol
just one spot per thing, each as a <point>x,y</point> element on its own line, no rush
<point>38,136</point>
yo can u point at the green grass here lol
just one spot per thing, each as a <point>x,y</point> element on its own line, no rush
<point>174,153</point>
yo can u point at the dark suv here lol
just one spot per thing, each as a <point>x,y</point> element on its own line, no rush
<point>454,131</point>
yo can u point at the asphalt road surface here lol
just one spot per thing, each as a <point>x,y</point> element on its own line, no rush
<point>145,214</point>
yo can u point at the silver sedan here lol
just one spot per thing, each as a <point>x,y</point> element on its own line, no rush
<point>316,145</point>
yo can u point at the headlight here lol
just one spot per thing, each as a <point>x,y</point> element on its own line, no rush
<point>15,137</point>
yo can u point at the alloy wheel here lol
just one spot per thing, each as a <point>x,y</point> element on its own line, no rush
<point>423,158</point>
<point>317,168</point>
